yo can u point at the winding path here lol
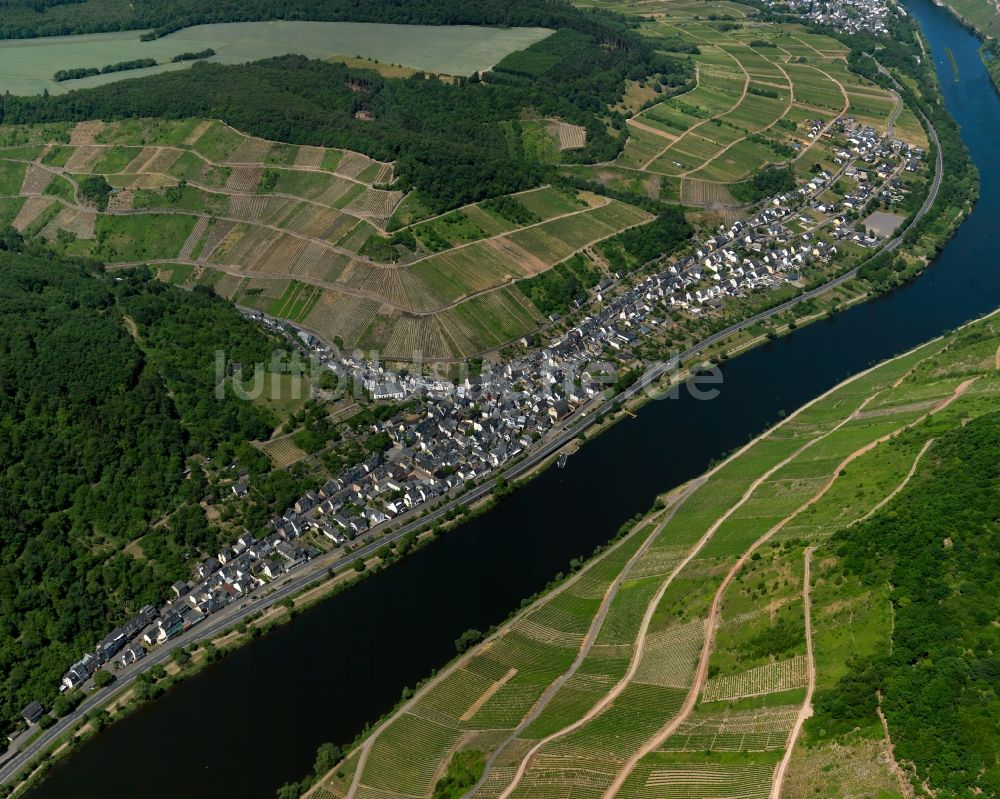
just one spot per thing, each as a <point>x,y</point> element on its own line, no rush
<point>791,101</point>
<point>905,788</point>
<point>586,416</point>
<point>592,633</point>
<point>742,97</point>
<point>890,123</point>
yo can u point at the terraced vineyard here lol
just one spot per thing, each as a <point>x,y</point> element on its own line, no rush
<point>765,94</point>
<point>276,218</point>
<point>682,661</point>
<point>384,274</point>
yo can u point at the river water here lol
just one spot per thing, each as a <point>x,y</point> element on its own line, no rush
<point>254,720</point>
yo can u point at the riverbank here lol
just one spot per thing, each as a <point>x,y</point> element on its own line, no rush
<point>976,17</point>
<point>990,54</point>
<point>341,782</point>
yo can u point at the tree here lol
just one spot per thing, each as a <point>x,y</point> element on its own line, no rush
<point>103,678</point>
<point>67,702</point>
<point>96,190</point>
<point>467,639</point>
<point>327,756</point>
<point>464,769</point>
<point>290,790</point>
<point>11,239</point>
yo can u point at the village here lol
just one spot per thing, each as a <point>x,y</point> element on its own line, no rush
<point>850,16</point>
<point>470,429</point>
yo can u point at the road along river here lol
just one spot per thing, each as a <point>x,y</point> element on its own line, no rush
<point>252,721</point>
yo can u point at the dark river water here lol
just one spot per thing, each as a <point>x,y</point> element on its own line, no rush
<point>254,720</point>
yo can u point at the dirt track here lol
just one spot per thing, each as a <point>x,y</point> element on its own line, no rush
<point>806,710</point>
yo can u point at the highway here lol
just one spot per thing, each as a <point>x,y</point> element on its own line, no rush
<point>579,421</point>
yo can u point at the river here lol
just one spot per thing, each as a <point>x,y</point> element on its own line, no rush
<point>253,720</point>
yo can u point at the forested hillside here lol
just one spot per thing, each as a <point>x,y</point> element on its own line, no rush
<point>450,139</point>
<point>938,547</point>
<point>95,435</point>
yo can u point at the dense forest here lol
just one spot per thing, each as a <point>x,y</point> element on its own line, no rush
<point>449,139</point>
<point>938,546</point>
<point>556,290</point>
<point>97,429</point>
<point>764,183</point>
<point>27,18</point>
<point>638,246</point>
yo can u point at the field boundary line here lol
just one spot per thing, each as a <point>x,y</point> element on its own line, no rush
<point>636,123</point>
<point>742,97</point>
<point>826,128</point>
<point>273,141</point>
<point>592,633</point>
<point>833,389</point>
<point>788,107</point>
<point>905,788</point>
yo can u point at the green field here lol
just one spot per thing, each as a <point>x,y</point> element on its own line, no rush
<point>27,65</point>
<point>705,130</point>
<point>11,177</point>
<point>138,238</point>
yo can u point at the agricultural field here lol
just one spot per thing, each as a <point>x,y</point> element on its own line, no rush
<point>759,89</point>
<point>282,452</point>
<point>687,658</point>
<point>29,64</point>
<point>303,233</point>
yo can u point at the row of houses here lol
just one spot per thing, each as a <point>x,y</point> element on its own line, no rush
<point>113,643</point>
